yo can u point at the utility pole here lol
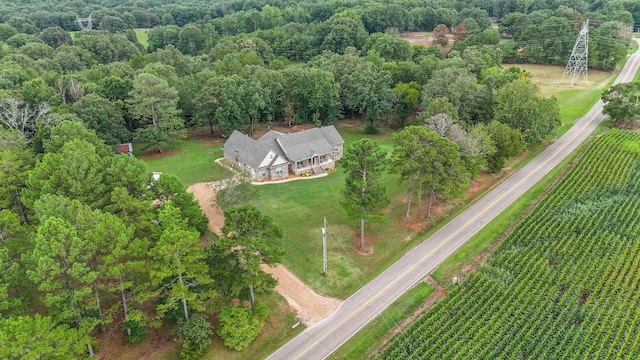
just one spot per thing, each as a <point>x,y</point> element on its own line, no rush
<point>578,62</point>
<point>324,247</point>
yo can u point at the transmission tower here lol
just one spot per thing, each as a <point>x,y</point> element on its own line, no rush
<point>578,62</point>
<point>84,23</point>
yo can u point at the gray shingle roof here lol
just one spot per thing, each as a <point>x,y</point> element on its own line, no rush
<point>332,136</point>
<point>246,149</point>
<point>304,144</point>
<point>295,146</point>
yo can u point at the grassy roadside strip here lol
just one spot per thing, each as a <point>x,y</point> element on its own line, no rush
<point>498,228</point>
<point>533,151</point>
<point>377,332</point>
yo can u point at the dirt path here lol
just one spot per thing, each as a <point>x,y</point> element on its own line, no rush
<point>205,194</point>
<point>311,306</point>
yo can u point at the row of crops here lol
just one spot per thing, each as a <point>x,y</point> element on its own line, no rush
<point>564,285</point>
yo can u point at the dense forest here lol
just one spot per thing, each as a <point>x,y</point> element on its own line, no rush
<point>87,237</point>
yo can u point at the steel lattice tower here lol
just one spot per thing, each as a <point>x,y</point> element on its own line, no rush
<point>578,62</point>
<point>82,21</point>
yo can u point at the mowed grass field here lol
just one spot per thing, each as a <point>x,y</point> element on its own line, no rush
<point>192,161</point>
<point>142,35</point>
<point>574,101</point>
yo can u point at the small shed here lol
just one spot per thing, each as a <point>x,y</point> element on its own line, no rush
<point>126,148</point>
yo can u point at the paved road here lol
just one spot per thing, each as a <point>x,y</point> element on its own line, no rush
<point>319,341</point>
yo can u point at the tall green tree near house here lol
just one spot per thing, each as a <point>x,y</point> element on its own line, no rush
<point>364,195</point>
<point>179,273</point>
<point>64,276</point>
<point>219,103</point>
<point>248,240</point>
<point>314,92</point>
<point>154,103</point>
<point>364,88</point>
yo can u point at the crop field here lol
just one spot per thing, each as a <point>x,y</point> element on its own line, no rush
<point>564,284</point>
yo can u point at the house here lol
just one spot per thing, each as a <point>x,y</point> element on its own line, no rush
<point>274,155</point>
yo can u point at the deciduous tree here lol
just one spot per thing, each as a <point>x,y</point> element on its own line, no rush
<point>508,142</point>
<point>622,103</point>
<point>518,105</point>
<point>239,326</point>
<point>220,103</point>
<point>103,116</point>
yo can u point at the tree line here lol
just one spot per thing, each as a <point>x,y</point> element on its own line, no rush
<point>209,73</point>
<point>88,238</point>
<point>254,14</point>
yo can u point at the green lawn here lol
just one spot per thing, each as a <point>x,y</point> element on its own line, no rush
<point>574,101</point>
<point>142,35</point>
<point>299,207</point>
<point>192,161</point>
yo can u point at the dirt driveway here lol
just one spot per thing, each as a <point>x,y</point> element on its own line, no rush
<point>311,306</point>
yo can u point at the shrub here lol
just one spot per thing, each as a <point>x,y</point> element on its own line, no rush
<point>194,334</point>
<point>239,326</point>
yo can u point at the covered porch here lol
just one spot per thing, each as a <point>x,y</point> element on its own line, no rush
<point>316,164</point>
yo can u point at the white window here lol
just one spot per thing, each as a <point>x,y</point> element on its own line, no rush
<point>300,164</point>
<point>264,173</point>
<point>279,170</point>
